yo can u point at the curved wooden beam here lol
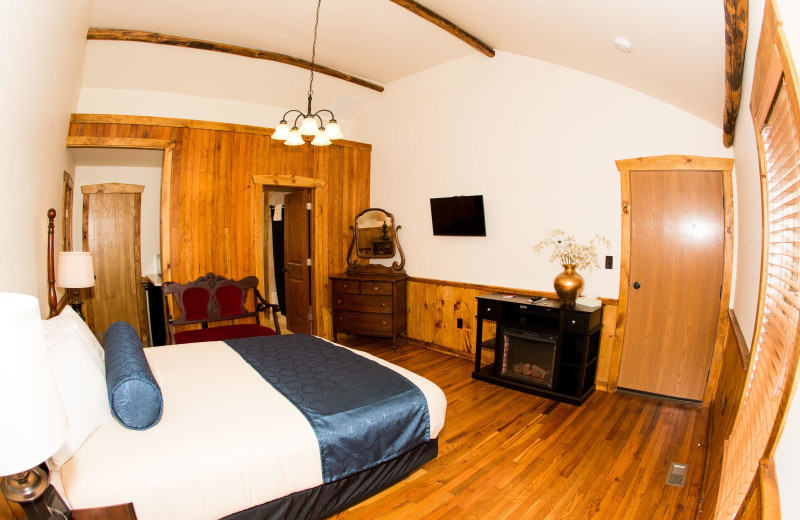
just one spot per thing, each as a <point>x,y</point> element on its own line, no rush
<point>736,25</point>
<point>447,25</point>
<point>247,52</point>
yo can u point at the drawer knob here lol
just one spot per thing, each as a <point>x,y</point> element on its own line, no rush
<point>488,309</point>
<point>383,305</point>
<point>573,322</point>
<point>375,288</point>
<point>345,286</point>
<point>338,301</point>
<point>383,322</point>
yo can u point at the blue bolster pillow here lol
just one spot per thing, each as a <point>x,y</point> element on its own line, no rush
<point>133,392</point>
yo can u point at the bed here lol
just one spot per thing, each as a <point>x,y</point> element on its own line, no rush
<point>290,426</point>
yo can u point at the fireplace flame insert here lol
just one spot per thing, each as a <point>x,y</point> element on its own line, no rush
<point>528,356</point>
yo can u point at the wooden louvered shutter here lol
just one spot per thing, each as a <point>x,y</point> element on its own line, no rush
<point>774,358</point>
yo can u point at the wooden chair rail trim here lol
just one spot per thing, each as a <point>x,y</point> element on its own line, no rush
<point>118,142</point>
<point>494,288</point>
<point>171,122</point>
<point>226,48</point>
<point>741,343</point>
<point>445,24</point>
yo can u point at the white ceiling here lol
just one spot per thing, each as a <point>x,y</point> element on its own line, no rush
<point>677,56</point>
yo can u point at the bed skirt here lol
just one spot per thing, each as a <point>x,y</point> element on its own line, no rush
<point>325,500</point>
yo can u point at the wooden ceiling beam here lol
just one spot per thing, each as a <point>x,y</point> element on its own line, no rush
<point>192,43</point>
<point>447,25</point>
<point>736,25</point>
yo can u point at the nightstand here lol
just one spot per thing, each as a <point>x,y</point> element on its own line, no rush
<point>120,512</point>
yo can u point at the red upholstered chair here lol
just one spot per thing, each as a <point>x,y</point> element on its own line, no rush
<point>213,298</point>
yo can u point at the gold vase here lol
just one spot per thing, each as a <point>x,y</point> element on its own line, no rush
<point>568,284</point>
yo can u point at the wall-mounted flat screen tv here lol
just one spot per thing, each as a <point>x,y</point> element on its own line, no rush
<point>458,216</point>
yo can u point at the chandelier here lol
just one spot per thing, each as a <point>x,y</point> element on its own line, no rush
<point>311,122</point>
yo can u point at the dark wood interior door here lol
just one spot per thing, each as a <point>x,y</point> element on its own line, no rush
<point>676,264</point>
<point>296,256</point>
<point>111,231</point>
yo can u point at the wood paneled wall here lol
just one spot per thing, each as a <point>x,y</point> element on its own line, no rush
<point>723,410</point>
<point>215,216</point>
<point>434,307</point>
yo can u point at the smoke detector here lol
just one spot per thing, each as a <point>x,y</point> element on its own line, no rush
<point>622,44</point>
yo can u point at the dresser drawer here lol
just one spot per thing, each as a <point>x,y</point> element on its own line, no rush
<point>346,286</point>
<point>376,288</point>
<point>363,302</point>
<point>362,321</point>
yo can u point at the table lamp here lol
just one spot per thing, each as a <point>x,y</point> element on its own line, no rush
<point>34,421</point>
<point>75,271</point>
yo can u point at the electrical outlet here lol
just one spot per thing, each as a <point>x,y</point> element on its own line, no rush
<point>460,323</point>
<point>609,262</point>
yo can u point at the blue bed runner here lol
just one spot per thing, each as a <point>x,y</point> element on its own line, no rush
<point>362,413</point>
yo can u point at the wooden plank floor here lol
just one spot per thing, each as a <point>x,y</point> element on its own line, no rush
<point>509,455</point>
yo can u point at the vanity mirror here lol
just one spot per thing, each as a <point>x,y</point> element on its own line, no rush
<point>374,236</point>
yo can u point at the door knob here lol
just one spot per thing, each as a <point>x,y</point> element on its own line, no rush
<point>636,285</point>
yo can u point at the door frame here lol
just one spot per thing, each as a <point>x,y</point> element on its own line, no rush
<point>295,183</point>
<point>687,163</point>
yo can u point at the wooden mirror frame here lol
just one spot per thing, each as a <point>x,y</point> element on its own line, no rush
<point>354,266</point>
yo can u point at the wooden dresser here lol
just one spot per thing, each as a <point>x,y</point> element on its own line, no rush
<point>369,304</point>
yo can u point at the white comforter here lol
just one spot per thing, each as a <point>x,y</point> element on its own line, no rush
<point>227,441</point>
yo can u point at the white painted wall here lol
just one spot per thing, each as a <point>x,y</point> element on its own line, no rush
<point>150,178</point>
<point>41,58</point>
<point>537,140</point>
<point>748,255</point>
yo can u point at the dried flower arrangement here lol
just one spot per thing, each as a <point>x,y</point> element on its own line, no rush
<point>569,252</point>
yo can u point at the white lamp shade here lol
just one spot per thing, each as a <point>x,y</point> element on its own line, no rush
<point>333,130</point>
<point>321,139</point>
<point>75,270</point>
<point>308,126</point>
<point>294,139</point>
<point>281,131</point>
<point>34,422</point>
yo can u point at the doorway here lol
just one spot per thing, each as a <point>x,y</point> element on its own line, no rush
<point>675,275</point>
<point>288,256</point>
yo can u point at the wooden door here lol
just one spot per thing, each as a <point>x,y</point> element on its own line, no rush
<point>296,255</point>
<point>675,284</point>
<point>111,231</point>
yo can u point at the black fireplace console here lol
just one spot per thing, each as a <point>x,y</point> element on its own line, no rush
<point>540,347</point>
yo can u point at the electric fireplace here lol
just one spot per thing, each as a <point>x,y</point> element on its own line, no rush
<point>528,356</point>
<point>540,346</point>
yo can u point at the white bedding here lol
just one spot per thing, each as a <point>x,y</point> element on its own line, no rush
<point>227,441</point>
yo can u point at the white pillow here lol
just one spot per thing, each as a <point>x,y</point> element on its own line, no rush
<point>81,381</point>
<point>70,319</point>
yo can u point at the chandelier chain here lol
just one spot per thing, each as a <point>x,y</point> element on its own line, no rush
<point>313,53</point>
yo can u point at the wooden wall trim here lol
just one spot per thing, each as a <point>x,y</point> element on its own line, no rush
<point>112,187</point>
<point>289,181</point>
<point>117,142</point>
<point>768,486</point>
<point>171,122</point>
<point>675,162</point>
<point>494,288</point>
<point>226,48</point>
<point>741,343</point>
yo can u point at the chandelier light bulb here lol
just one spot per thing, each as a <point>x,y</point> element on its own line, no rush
<point>321,139</point>
<point>333,130</point>
<point>281,131</point>
<point>309,125</point>
<point>294,139</point>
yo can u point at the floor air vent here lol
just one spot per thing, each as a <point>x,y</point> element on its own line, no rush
<point>677,474</point>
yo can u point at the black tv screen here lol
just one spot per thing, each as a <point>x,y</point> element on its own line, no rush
<point>458,216</point>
